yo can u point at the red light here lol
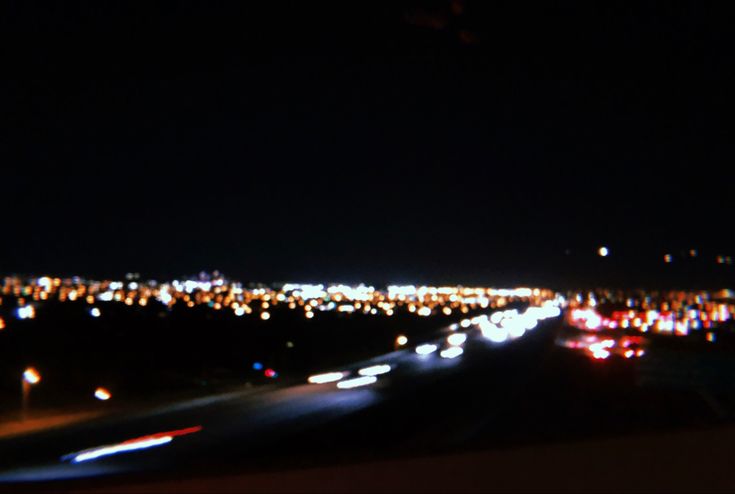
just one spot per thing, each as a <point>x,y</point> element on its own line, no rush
<point>157,435</point>
<point>270,373</point>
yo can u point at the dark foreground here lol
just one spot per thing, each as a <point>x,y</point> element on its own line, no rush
<point>516,416</point>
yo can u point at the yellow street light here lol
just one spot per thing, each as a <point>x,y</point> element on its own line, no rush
<point>30,377</point>
<point>102,394</point>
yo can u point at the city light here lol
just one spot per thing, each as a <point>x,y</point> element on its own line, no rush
<point>26,312</point>
<point>401,340</point>
<point>219,293</point>
<point>603,251</point>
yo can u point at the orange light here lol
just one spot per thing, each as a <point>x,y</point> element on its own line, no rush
<point>102,394</point>
<point>31,376</point>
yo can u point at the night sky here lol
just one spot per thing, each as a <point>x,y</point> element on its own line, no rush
<point>459,142</point>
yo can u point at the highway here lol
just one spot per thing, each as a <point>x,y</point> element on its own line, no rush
<point>418,402</point>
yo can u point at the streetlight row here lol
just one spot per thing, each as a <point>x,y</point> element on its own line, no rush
<point>31,377</point>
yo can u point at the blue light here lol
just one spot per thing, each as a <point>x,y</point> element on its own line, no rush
<point>257,366</point>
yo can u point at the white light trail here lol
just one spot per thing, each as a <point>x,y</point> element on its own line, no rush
<point>120,448</point>
<point>426,349</point>
<point>452,352</point>
<point>456,339</point>
<point>356,382</point>
<point>374,370</point>
<point>327,377</point>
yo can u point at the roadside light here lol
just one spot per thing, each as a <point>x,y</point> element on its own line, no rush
<point>401,340</point>
<point>102,394</point>
<point>31,376</point>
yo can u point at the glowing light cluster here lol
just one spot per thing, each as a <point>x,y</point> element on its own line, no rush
<point>674,313</point>
<point>510,324</point>
<point>217,293</point>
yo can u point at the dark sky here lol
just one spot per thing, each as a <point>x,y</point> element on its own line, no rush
<point>462,142</point>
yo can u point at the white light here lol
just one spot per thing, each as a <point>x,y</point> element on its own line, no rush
<point>516,327</point>
<point>551,312</point>
<point>374,370</point>
<point>465,323</point>
<point>121,448</point>
<point>401,340</point>
<point>603,251</point>
<point>426,349</point>
<point>26,312</point>
<point>31,376</point>
<point>496,317</point>
<point>102,394</point>
<point>452,352</point>
<point>240,311</point>
<point>494,333</point>
<point>456,339</point>
<point>358,381</point>
<point>165,297</point>
<point>530,322</point>
<point>327,377</point>
<point>95,312</point>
